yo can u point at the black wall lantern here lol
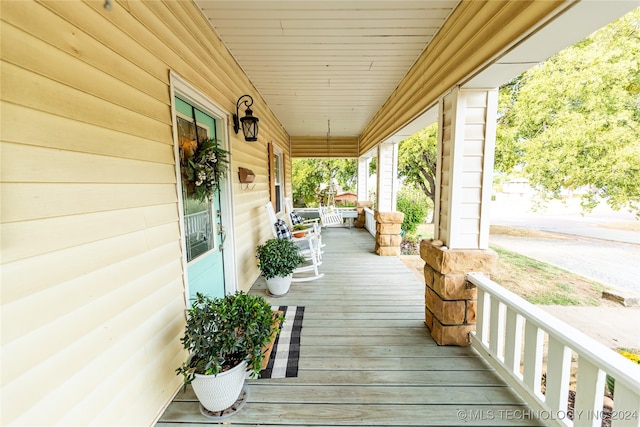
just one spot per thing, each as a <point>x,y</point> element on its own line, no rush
<point>249,123</point>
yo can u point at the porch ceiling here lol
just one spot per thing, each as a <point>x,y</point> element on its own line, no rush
<point>315,61</point>
<point>369,67</point>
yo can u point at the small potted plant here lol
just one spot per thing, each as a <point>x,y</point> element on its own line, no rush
<point>299,230</point>
<point>225,338</point>
<point>277,259</point>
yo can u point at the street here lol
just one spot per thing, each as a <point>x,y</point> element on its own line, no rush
<point>607,255</point>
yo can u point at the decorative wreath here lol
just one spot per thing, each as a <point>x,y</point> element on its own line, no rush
<point>204,166</point>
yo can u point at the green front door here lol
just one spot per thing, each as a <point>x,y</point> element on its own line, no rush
<point>202,227</point>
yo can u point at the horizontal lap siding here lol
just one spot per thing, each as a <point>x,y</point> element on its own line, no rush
<point>92,290</point>
<point>318,147</point>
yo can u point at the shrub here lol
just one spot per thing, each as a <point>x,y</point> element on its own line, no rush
<point>415,205</point>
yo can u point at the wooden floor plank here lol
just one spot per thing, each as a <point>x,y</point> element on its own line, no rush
<point>380,395</point>
<point>313,414</point>
<point>408,350</point>
<point>366,340</point>
<point>365,323</point>
<point>310,315</point>
<point>361,332</point>
<point>392,363</point>
<point>352,309</point>
<point>366,356</point>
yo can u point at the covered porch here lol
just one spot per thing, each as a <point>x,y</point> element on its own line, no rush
<point>367,357</point>
<point>92,171</point>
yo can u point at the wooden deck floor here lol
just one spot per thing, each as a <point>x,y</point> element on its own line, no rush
<point>367,357</point>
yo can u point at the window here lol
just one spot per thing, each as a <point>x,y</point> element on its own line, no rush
<point>276,177</point>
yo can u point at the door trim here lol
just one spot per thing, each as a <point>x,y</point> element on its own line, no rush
<point>180,87</point>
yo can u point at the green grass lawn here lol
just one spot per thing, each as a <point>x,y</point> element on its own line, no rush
<point>536,281</point>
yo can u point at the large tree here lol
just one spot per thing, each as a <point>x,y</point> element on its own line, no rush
<point>573,122</point>
<point>417,160</point>
<point>307,176</point>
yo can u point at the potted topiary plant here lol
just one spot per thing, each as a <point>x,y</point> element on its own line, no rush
<point>225,338</point>
<point>277,259</point>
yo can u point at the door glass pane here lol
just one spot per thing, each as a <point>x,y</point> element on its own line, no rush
<point>198,215</point>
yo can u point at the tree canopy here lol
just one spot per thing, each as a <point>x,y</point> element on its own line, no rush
<point>417,160</point>
<point>573,122</point>
<point>307,176</point>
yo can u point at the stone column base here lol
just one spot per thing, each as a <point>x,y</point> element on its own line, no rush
<point>362,216</point>
<point>450,306</point>
<point>388,228</point>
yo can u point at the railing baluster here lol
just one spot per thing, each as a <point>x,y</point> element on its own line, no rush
<point>626,406</point>
<point>482,325</point>
<point>532,375</point>
<point>513,342</point>
<point>558,375</point>
<point>589,394</point>
<point>495,329</point>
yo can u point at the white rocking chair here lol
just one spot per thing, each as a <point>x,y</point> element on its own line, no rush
<point>309,247</point>
<point>313,225</point>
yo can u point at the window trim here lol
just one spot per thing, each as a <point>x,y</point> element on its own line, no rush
<point>275,152</point>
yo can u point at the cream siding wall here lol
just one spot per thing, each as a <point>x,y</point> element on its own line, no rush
<point>92,290</point>
<point>318,147</point>
<point>251,222</point>
<point>467,124</point>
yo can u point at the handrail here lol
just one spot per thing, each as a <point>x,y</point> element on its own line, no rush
<point>510,335</point>
<point>370,221</point>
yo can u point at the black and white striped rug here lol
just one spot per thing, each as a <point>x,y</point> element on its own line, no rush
<point>283,361</point>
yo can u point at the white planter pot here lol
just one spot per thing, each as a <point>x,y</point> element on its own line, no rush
<point>219,392</point>
<point>279,285</point>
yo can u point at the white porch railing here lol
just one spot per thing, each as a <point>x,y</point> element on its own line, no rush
<point>370,221</point>
<point>511,335</point>
<point>197,225</point>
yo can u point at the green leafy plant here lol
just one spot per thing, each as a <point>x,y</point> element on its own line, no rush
<point>278,257</point>
<point>222,332</point>
<point>635,358</point>
<point>300,227</point>
<point>415,206</point>
<point>206,168</point>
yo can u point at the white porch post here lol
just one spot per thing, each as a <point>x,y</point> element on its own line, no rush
<point>388,221</point>
<point>363,192</point>
<point>387,185</point>
<point>363,178</point>
<point>466,141</point>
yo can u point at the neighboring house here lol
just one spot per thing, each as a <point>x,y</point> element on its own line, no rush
<point>343,198</point>
<point>102,246</point>
<point>517,188</point>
